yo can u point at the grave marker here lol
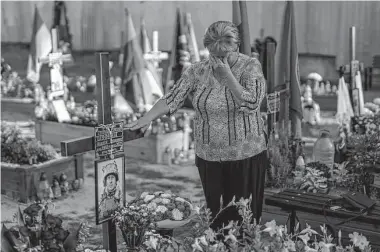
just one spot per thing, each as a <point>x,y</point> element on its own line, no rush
<point>353,68</point>
<point>85,144</point>
<point>55,60</point>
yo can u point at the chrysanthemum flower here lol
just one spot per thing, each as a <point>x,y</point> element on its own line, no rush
<point>177,215</point>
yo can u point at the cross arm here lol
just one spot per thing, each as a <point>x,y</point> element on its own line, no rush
<point>85,144</point>
<point>156,55</point>
<point>55,58</point>
<point>345,69</point>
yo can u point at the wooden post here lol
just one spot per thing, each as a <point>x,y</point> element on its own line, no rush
<point>270,66</point>
<point>105,117</point>
<point>354,64</point>
<point>353,68</point>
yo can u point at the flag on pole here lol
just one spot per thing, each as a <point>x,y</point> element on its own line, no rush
<point>193,46</point>
<point>344,107</point>
<point>240,18</point>
<point>144,39</point>
<point>40,46</point>
<point>139,80</point>
<point>359,86</point>
<point>180,55</point>
<point>288,63</point>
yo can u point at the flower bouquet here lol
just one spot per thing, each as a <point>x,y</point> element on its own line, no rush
<point>12,85</point>
<point>366,124</point>
<point>133,221</point>
<point>39,230</point>
<point>170,210</point>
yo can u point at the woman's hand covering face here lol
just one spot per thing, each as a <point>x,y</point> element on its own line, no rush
<point>220,67</point>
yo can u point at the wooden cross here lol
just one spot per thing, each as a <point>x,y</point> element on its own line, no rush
<point>156,56</point>
<point>85,144</point>
<point>352,69</point>
<point>55,60</point>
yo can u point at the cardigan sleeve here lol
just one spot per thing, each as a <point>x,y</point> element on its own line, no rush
<point>177,95</point>
<point>254,87</point>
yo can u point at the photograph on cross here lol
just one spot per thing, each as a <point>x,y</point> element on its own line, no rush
<point>109,184</point>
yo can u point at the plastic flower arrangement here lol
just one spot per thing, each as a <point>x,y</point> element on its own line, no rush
<point>366,124</point>
<point>311,180</point>
<point>39,230</point>
<point>166,206</point>
<point>134,217</point>
<point>247,235</point>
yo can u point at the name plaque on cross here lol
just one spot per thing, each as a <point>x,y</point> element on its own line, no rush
<point>109,140</point>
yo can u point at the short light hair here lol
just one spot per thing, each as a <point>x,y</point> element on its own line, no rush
<point>222,35</point>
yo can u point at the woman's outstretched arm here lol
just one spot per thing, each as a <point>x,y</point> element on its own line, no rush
<point>170,102</point>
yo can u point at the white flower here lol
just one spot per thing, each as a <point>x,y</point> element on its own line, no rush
<point>161,209</point>
<point>152,242</point>
<point>230,236</point>
<point>165,201</point>
<point>177,215</point>
<point>148,198</point>
<point>179,199</point>
<point>152,206</point>
<point>144,194</point>
<point>359,240</point>
<point>196,246</point>
<point>308,249</point>
<point>157,200</point>
<point>203,240</point>
<point>305,238</point>
<point>290,245</point>
<point>270,227</point>
<point>165,195</point>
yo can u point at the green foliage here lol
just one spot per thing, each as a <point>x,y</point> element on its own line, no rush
<point>280,165</point>
<point>249,235</point>
<point>17,149</point>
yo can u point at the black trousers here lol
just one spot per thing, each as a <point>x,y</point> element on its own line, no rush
<point>240,178</point>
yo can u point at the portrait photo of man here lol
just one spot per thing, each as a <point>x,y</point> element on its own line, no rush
<point>110,181</point>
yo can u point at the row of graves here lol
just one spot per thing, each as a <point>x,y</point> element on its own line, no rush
<point>328,203</point>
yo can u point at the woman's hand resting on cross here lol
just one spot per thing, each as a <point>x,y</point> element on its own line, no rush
<point>140,124</point>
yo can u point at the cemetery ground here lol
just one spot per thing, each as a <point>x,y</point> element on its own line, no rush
<point>140,176</point>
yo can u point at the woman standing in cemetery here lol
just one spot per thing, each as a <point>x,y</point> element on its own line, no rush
<point>230,142</point>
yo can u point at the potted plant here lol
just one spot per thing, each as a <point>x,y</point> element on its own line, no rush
<point>39,230</point>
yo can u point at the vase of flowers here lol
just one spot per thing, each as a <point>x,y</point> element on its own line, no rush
<point>134,221</point>
<point>134,239</point>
